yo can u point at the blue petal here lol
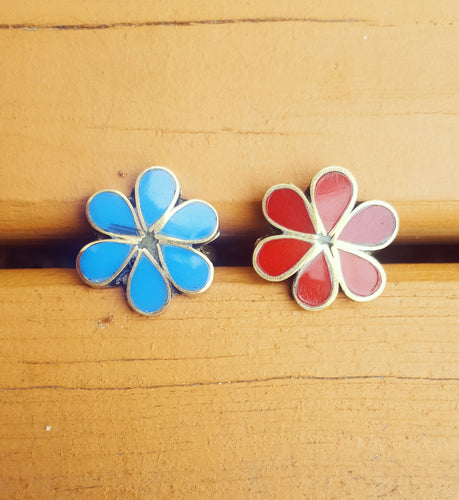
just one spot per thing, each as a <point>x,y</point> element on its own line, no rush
<point>156,190</point>
<point>193,221</point>
<point>111,213</point>
<point>147,291</point>
<point>188,269</point>
<point>100,262</point>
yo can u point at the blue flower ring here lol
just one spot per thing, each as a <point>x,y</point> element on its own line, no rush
<point>155,244</point>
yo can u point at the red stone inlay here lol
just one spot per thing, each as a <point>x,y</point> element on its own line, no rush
<point>278,256</point>
<point>373,225</point>
<point>314,286</point>
<point>360,275</point>
<point>332,195</point>
<point>286,207</point>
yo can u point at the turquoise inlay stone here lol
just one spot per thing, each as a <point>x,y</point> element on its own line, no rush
<point>156,192</point>
<point>103,259</point>
<point>148,292</point>
<point>188,269</point>
<point>192,221</point>
<point>110,212</point>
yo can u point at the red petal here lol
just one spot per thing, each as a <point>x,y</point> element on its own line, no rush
<point>314,285</point>
<point>332,195</point>
<point>361,277</point>
<point>372,225</point>
<point>276,257</point>
<point>286,207</point>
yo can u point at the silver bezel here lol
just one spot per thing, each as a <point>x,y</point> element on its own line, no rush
<point>169,277</point>
<point>334,282</point>
<point>131,274</point>
<point>111,234</point>
<point>107,282</point>
<point>159,222</point>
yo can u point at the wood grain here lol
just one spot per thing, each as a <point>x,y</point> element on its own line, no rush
<point>236,393</point>
<point>233,98</point>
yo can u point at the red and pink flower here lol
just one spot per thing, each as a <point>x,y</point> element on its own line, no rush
<point>326,240</point>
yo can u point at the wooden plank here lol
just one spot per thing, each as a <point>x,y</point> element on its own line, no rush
<point>237,393</point>
<point>233,99</point>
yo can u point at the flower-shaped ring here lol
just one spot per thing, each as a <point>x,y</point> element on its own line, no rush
<point>154,248</point>
<point>325,239</point>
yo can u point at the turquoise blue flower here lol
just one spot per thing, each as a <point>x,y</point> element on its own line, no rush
<point>154,244</point>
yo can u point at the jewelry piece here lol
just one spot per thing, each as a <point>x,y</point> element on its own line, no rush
<point>154,249</point>
<point>325,239</point>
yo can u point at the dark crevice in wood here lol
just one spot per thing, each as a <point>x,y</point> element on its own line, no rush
<point>225,252</point>
<point>192,22</point>
<point>234,382</point>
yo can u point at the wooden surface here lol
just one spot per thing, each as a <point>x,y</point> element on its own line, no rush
<point>234,97</point>
<point>237,393</point>
<point>233,394</point>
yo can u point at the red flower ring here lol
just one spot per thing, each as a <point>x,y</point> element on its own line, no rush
<point>326,240</point>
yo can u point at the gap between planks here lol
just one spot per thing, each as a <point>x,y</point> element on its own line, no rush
<point>420,221</point>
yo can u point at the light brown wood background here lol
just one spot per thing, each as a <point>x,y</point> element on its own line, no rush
<point>237,393</point>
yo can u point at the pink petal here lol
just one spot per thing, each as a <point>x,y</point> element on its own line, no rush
<point>276,256</point>
<point>314,285</point>
<point>372,225</point>
<point>332,195</point>
<point>286,208</point>
<point>360,276</point>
